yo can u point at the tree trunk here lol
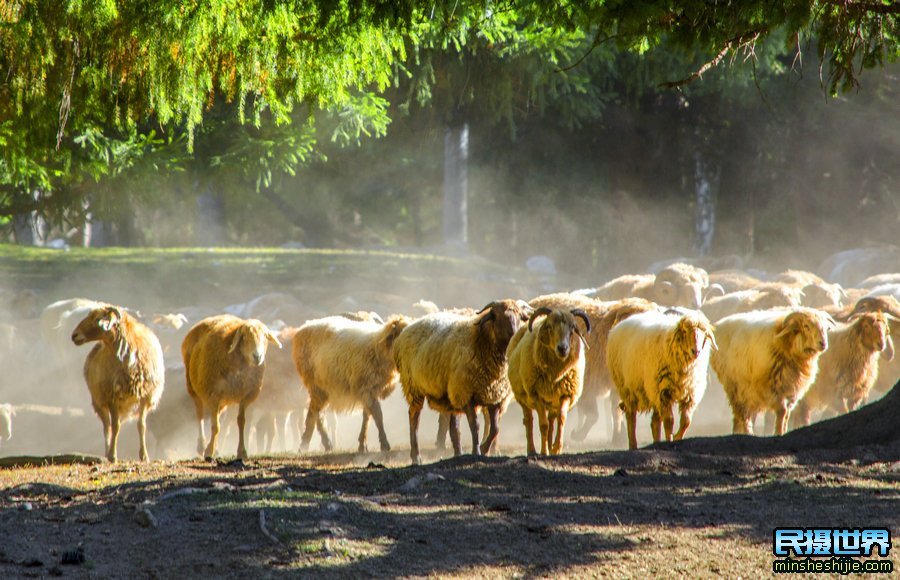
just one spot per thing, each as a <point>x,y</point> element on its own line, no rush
<point>456,185</point>
<point>210,227</point>
<point>30,228</point>
<point>706,185</point>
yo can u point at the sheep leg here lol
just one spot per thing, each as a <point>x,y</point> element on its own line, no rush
<point>443,427</point>
<point>472,416</point>
<point>781,419</point>
<point>742,425</point>
<point>560,426</point>
<point>631,420</point>
<point>492,429</point>
<point>617,417</point>
<point>314,421</point>
<point>241,423</point>
<point>588,415</point>
<point>201,438</point>
<point>655,424</point>
<point>378,417</point>
<point>668,422</point>
<point>801,415</point>
<point>544,426</point>
<point>114,433</point>
<point>683,422</point>
<point>142,433</point>
<point>528,421</point>
<point>323,433</point>
<point>104,420</point>
<point>364,431</point>
<point>415,412</point>
<point>455,438</point>
<point>214,412</point>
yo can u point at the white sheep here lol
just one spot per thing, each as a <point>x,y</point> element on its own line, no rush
<point>59,319</point>
<point>224,361</point>
<point>346,364</point>
<point>849,368</point>
<point>125,372</point>
<point>676,285</point>
<point>659,359</point>
<point>458,364</point>
<point>765,298</point>
<point>546,372</point>
<point>767,360</point>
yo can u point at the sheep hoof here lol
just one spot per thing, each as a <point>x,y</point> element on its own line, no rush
<point>362,449</point>
<point>385,447</point>
<point>417,460</point>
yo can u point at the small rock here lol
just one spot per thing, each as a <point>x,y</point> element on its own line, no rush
<point>145,518</point>
<point>26,507</point>
<point>73,557</point>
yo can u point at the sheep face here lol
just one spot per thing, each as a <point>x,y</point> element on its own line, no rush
<point>250,340</point>
<point>559,329</point>
<point>98,322</point>
<point>691,336</point>
<point>681,285</point>
<point>876,335</point>
<point>501,319</point>
<point>805,334</point>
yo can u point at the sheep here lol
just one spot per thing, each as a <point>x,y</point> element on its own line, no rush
<point>597,382</point>
<point>281,401</point>
<point>346,364</point>
<point>6,413</point>
<point>676,285</point>
<point>767,360</point>
<point>657,359</point>
<point>733,280</point>
<point>125,372</point>
<point>458,363</point>
<point>748,300</point>
<point>879,280</point>
<point>849,368</point>
<point>798,278</point>
<point>888,370</point>
<point>546,372</point>
<point>224,361</point>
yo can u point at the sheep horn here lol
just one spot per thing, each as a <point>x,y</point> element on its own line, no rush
<point>486,307</point>
<point>582,315</point>
<point>542,311</point>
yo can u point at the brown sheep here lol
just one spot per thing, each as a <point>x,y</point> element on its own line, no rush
<point>224,361</point>
<point>597,381</point>
<point>849,368</point>
<point>546,372</point>
<point>125,372</point>
<point>345,364</point>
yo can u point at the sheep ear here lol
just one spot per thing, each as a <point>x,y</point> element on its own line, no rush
<point>711,339</point>
<point>888,351</point>
<point>788,326</point>
<point>235,340</point>
<point>110,319</point>
<point>273,339</point>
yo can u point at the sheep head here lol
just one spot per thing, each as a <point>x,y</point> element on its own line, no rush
<point>680,285</point>
<point>555,334</point>
<point>170,321</point>
<point>804,333</point>
<point>98,322</point>
<point>875,333</point>
<point>499,321</point>
<point>778,296</point>
<point>690,337</point>
<point>250,340</point>
<point>818,295</point>
<point>887,304</point>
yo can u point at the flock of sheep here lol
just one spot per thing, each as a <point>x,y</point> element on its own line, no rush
<point>790,347</point>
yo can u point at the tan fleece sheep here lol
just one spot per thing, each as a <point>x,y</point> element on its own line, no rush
<point>224,361</point>
<point>546,372</point>
<point>733,280</point>
<point>125,372</point>
<point>676,285</point>
<point>346,364</point>
<point>458,364</point>
<point>767,360</point>
<point>765,298</point>
<point>597,381</point>
<point>659,359</point>
<point>849,368</point>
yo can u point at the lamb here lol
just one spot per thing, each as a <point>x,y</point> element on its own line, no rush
<point>597,382</point>
<point>6,413</point>
<point>658,359</point>
<point>748,300</point>
<point>546,372</point>
<point>224,361</point>
<point>767,360</point>
<point>125,372</point>
<point>346,364</point>
<point>458,363</point>
<point>849,368</point>
<point>676,285</point>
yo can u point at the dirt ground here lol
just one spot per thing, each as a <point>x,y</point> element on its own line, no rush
<point>659,512</point>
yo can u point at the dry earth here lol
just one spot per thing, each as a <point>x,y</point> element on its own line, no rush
<point>698,511</point>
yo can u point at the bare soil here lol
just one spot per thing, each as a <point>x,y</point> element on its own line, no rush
<point>659,512</point>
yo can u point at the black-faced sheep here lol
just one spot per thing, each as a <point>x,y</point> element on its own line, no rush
<point>125,372</point>
<point>347,364</point>
<point>676,285</point>
<point>849,368</point>
<point>659,359</point>
<point>597,381</point>
<point>224,361</point>
<point>458,363</point>
<point>546,372</point>
<point>767,360</point>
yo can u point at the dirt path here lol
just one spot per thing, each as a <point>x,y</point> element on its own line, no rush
<point>650,513</point>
